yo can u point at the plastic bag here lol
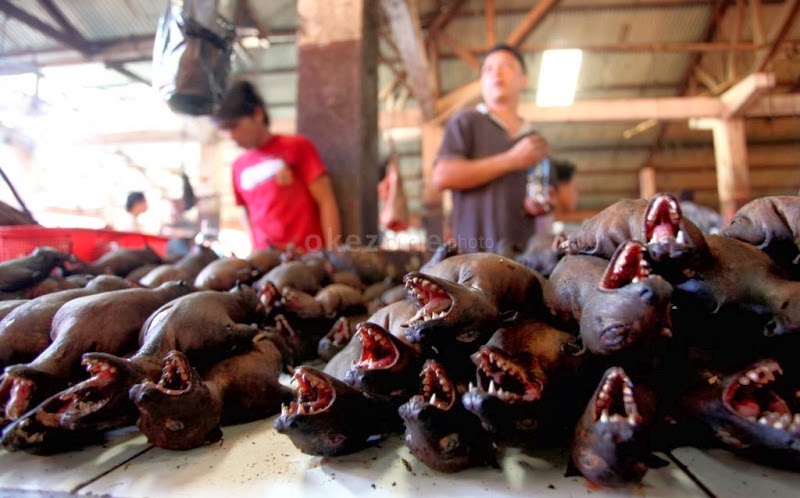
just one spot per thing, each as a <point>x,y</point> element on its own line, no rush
<point>192,55</point>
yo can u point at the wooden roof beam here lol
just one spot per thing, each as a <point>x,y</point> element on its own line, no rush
<point>403,17</point>
<point>69,36</point>
<point>535,15</point>
<point>491,22</point>
<point>789,13</point>
<point>68,39</point>
<point>64,23</point>
<point>742,95</point>
<point>445,16</point>
<point>462,54</point>
<point>630,110</point>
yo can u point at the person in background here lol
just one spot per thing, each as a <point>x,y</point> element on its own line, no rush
<point>562,196</point>
<point>484,158</point>
<point>393,214</point>
<point>279,180</point>
<point>565,192</point>
<point>135,205</point>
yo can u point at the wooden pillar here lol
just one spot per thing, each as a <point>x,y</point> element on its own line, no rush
<point>435,216</point>
<point>730,152</point>
<point>337,99</point>
<point>647,182</point>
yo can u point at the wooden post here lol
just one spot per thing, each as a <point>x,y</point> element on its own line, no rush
<point>647,182</point>
<point>337,100</point>
<point>730,152</point>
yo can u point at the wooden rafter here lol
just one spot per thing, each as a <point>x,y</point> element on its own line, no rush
<point>491,23</point>
<point>64,23</point>
<point>742,46</point>
<point>709,32</point>
<point>626,109</point>
<point>437,26</point>
<point>535,15</point>
<point>433,58</point>
<point>757,21</point>
<point>68,35</point>
<point>735,37</point>
<point>464,55</point>
<point>34,22</point>
<point>403,19</point>
<point>787,19</point>
<point>445,17</point>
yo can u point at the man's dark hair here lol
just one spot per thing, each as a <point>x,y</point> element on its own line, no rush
<point>133,199</point>
<point>504,47</point>
<point>241,99</point>
<point>561,171</point>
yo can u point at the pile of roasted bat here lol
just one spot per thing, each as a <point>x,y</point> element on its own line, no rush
<point>646,334</point>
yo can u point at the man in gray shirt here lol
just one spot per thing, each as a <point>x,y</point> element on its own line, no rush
<point>484,159</point>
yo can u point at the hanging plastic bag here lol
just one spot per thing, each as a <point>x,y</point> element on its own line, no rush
<point>192,55</point>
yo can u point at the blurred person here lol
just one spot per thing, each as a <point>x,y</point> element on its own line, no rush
<point>279,180</point>
<point>135,206</point>
<point>485,156</point>
<point>561,198</point>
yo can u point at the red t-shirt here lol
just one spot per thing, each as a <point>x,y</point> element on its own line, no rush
<point>280,214</point>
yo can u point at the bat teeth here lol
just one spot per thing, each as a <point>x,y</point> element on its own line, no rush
<point>492,388</point>
<point>745,381</point>
<point>604,416</point>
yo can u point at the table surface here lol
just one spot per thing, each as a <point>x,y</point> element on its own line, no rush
<point>254,460</point>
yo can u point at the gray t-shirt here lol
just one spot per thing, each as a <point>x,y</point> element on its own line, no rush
<point>484,215</point>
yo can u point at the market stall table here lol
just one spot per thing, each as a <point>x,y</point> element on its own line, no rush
<point>254,460</point>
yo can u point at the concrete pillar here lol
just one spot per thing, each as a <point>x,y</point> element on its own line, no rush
<point>337,101</point>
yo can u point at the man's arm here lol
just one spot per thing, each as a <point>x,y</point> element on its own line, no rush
<point>460,174</point>
<point>322,192</point>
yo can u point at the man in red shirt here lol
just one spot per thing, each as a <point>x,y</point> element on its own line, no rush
<point>279,180</point>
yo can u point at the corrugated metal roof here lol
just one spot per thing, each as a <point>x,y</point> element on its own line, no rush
<point>104,19</point>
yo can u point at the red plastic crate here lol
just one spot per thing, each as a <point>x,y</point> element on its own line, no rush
<point>85,243</point>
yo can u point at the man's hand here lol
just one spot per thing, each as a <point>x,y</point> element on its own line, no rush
<point>528,150</point>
